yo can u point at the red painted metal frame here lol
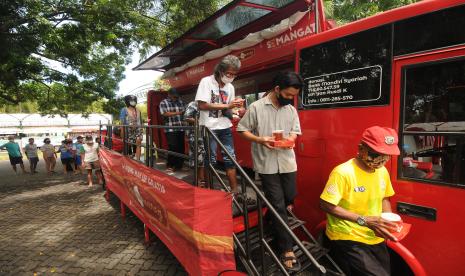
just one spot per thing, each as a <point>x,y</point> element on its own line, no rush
<point>209,41</point>
<point>257,6</point>
<point>257,25</point>
<point>404,12</point>
<point>437,248</point>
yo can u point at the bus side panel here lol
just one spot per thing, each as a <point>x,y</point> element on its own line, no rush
<point>435,241</point>
<point>242,149</point>
<point>439,245</point>
<point>329,138</point>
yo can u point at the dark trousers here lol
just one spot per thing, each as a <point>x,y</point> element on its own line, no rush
<point>359,259</point>
<point>175,141</point>
<point>280,190</point>
<point>33,163</point>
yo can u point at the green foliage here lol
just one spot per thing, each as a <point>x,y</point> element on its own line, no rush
<point>67,54</point>
<point>113,107</point>
<point>143,111</point>
<point>345,11</point>
<point>24,107</point>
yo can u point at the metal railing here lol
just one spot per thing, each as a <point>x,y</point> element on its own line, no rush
<point>262,201</point>
<point>151,150</point>
<point>244,250</point>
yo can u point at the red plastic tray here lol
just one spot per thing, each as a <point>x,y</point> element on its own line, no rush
<point>283,143</point>
<point>403,233</point>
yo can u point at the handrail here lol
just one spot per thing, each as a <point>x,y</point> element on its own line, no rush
<point>150,149</point>
<point>245,181</point>
<point>271,209</point>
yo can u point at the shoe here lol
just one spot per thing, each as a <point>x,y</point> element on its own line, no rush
<point>169,171</point>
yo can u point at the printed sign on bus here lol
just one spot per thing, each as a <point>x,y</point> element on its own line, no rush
<point>350,86</point>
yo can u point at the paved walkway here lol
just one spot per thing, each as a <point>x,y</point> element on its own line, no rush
<point>57,225</point>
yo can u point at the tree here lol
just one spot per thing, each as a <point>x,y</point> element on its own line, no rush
<point>345,11</point>
<point>66,54</point>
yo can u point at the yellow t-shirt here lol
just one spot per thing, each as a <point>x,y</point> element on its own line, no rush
<point>357,191</point>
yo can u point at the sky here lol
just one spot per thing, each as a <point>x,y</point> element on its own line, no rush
<point>135,79</point>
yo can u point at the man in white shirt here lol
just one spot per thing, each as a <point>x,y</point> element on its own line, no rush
<point>215,98</point>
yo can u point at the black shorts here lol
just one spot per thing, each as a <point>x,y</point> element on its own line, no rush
<point>16,160</point>
<point>67,161</point>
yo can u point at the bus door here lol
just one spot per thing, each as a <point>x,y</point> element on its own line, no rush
<point>429,175</point>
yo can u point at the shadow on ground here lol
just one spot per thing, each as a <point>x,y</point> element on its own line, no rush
<point>58,225</point>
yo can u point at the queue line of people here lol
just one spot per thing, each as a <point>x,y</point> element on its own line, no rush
<point>74,156</point>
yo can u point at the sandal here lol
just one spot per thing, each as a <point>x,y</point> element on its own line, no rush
<point>295,263</point>
<point>240,198</point>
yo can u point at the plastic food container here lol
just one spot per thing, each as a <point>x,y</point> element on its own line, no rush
<point>278,134</point>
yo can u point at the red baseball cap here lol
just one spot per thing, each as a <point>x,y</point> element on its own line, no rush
<point>381,139</point>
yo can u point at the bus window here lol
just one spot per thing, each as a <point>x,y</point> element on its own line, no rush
<point>433,131</point>
<point>348,71</point>
<point>249,99</point>
<point>430,31</point>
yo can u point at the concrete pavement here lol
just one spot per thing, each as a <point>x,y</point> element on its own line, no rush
<point>56,225</point>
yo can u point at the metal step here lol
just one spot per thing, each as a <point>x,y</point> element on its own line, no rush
<point>254,234</point>
<point>306,265</point>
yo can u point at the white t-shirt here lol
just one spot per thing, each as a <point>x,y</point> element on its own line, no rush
<point>31,150</point>
<point>90,152</point>
<point>209,92</point>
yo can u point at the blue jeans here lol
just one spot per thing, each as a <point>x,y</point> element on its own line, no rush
<point>225,136</point>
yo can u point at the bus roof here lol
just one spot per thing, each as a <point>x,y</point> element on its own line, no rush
<point>228,25</point>
<point>412,10</point>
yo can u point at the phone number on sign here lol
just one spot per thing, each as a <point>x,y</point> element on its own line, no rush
<point>336,99</point>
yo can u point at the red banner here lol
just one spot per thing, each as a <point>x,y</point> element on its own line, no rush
<point>195,224</point>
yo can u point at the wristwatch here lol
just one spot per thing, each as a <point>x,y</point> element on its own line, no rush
<point>361,221</point>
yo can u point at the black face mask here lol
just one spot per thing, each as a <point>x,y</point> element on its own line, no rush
<point>283,101</point>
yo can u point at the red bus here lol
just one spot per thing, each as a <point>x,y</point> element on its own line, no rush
<point>403,69</point>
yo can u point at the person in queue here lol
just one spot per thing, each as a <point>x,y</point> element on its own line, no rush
<point>66,156</point>
<point>77,148</point>
<point>31,153</point>
<point>356,194</point>
<point>90,160</point>
<point>215,98</point>
<point>172,109</point>
<point>14,153</point>
<point>277,166</point>
<point>49,155</point>
<point>131,117</point>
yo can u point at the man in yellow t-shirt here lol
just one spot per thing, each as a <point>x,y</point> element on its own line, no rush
<point>356,194</point>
